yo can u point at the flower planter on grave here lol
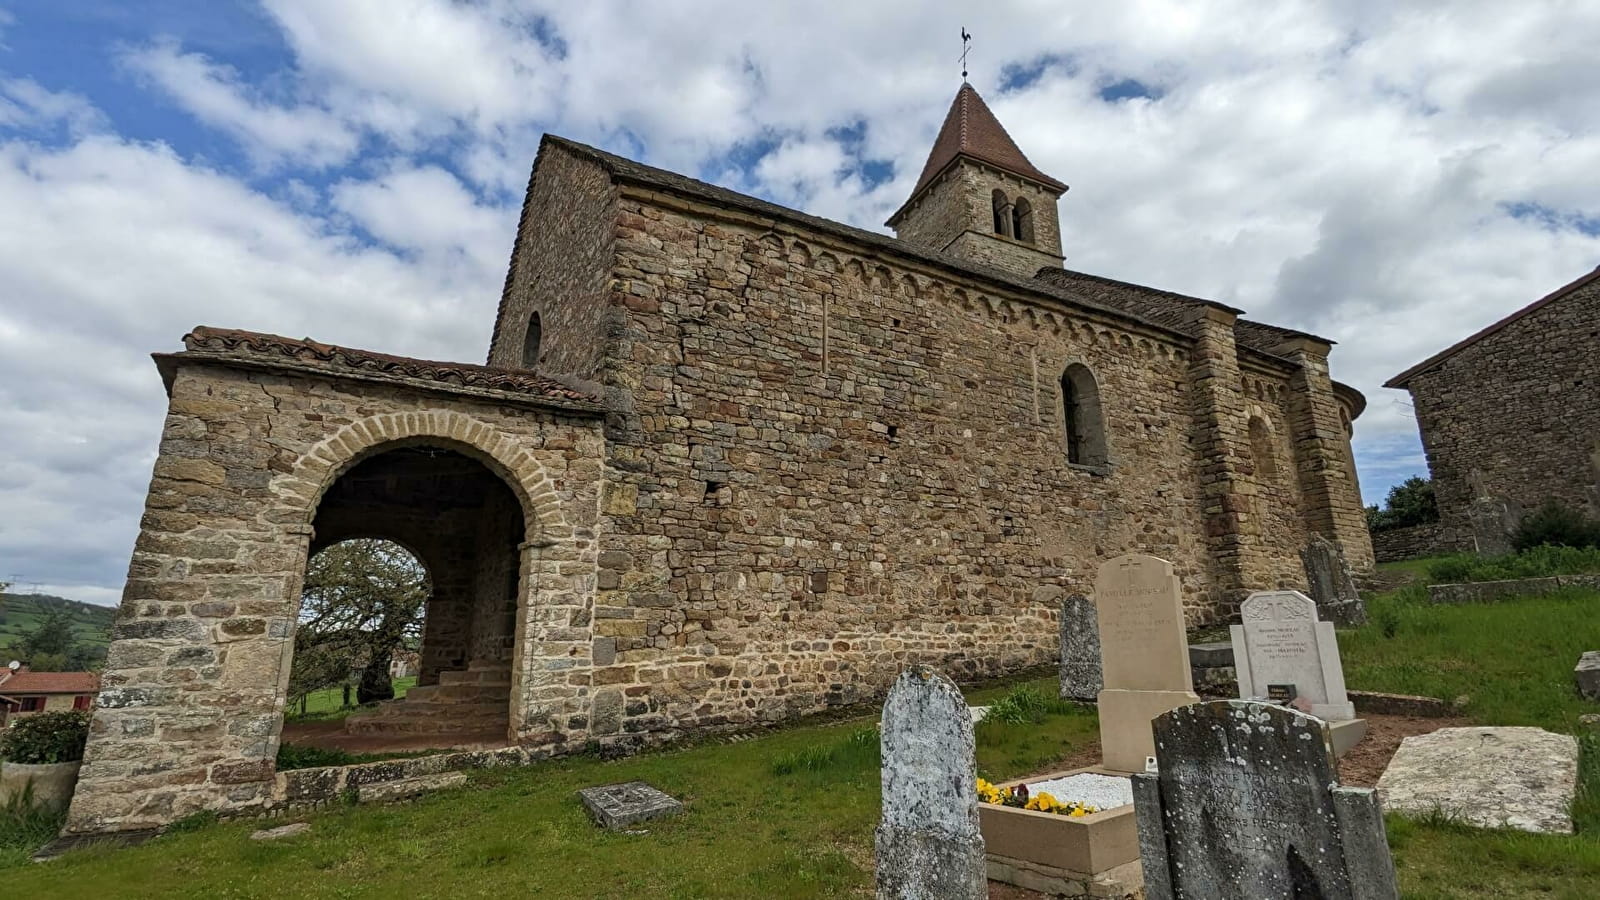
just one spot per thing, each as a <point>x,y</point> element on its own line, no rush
<point>53,783</point>
<point>1096,855</point>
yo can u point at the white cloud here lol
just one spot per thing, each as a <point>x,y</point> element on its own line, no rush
<point>25,106</point>
<point>1345,168</point>
<point>304,135</point>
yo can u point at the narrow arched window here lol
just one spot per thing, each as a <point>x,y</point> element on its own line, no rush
<point>1261,447</point>
<point>1022,221</point>
<point>1083,422</point>
<point>1002,213</point>
<point>530,343</point>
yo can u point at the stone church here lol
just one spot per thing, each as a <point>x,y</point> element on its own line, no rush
<point>728,463</point>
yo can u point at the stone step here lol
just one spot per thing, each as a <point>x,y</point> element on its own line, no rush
<point>485,691</point>
<point>428,725</point>
<point>501,674</point>
<point>448,709</point>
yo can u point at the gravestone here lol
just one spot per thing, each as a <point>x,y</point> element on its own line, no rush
<point>1144,655</point>
<point>617,806</point>
<point>1246,804</point>
<point>1080,650</point>
<point>928,845</point>
<point>1282,643</point>
<point>1332,586</point>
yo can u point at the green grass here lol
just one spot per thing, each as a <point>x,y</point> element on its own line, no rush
<point>328,703</point>
<point>1513,660</point>
<point>1537,562</point>
<point>790,813</point>
<point>746,832</point>
<point>24,828</point>
<point>22,613</point>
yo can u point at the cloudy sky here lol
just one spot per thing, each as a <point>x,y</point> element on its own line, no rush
<point>1393,178</point>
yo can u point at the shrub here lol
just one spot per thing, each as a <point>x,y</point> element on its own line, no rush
<point>1025,705</point>
<point>295,756</point>
<point>1537,562</point>
<point>52,737</point>
<point>1557,526</point>
<point>1411,502</point>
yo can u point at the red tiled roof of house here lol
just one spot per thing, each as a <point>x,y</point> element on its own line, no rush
<point>1399,381</point>
<point>970,129</point>
<point>50,683</point>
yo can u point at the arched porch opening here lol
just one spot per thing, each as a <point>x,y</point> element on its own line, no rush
<point>464,523</point>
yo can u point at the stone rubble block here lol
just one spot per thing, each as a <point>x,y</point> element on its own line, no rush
<point>1522,778</point>
<point>1587,675</point>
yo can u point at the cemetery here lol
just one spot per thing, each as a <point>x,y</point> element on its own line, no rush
<point>1358,761</point>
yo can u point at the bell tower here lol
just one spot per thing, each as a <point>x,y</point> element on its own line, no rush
<point>979,198</point>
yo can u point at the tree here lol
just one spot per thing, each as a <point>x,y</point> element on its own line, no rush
<point>1411,502</point>
<point>51,645</point>
<point>362,600</point>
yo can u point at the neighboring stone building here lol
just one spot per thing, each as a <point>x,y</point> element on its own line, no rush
<point>729,463</point>
<point>1510,417</point>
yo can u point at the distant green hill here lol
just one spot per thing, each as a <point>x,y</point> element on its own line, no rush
<point>21,613</point>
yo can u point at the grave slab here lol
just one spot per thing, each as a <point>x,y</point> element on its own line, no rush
<point>617,806</point>
<point>1522,778</point>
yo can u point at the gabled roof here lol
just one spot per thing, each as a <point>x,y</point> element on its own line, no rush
<point>267,350</point>
<point>50,683</point>
<point>626,170</point>
<point>1399,381</point>
<point>970,129</point>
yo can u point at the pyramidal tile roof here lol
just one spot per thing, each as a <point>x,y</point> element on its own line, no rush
<point>970,129</point>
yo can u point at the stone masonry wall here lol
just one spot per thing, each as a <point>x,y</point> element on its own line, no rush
<point>1516,415</point>
<point>193,696</point>
<point>560,268</point>
<point>834,467</point>
<point>955,215</point>
<point>1397,544</point>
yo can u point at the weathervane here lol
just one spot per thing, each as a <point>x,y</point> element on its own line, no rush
<point>966,41</point>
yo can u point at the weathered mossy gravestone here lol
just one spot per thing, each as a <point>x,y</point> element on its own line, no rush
<point>1246,805</point>
<point>928,844</point>
<point>1080,650</point>
<point>1332,586</point>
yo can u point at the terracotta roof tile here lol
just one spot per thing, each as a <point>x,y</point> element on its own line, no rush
<point>971,129</point>
<point>234,342</point>
<point>50,683</point>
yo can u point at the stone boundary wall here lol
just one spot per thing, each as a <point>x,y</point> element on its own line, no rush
<point>1395,544</point>
<point>329,784</point>
<point>1490,591</point>
<point>1375,703</point>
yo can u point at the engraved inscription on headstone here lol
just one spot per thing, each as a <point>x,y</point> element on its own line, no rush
<point>1246,804</point>
<point>1281,642</point>
<point>620,805</point>
<point>1139,605</point>
<point>1144,654</point>
<point>928,844</point>
<point>1080,649</point>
